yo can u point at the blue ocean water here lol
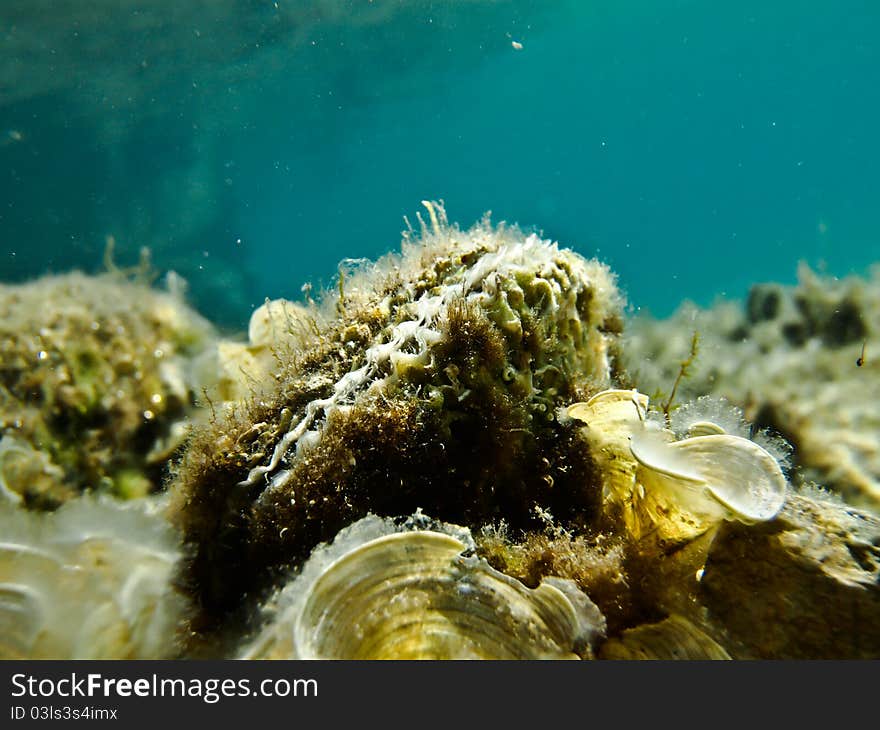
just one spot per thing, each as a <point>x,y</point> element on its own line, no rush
<point>697,147</point>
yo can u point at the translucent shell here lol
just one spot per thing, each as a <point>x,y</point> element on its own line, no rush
<point>415,594</point>
<point>675,490</point>
<point>705,428</point>
<point>718,475</point>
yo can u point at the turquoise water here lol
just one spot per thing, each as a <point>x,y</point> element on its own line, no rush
<point>697,147</point>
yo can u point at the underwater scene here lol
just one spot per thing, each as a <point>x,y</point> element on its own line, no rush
<point>464,329</point>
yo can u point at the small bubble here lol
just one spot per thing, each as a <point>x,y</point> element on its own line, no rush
<point>42,355</point>
<point>156,399</point>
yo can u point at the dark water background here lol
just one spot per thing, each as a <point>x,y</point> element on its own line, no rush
<point>697,147</point>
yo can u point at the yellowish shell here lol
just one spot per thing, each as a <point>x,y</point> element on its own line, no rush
<point>611,417</point>
<point>710,478</point>
<point>381,593</point>
<point>608,408</point>
<point>675,490</point>
<point>274,321</point>
<point>90,581</point>
<point>673,638</point>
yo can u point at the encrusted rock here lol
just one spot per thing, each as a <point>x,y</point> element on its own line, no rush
<point>94,381</point>
<point>804,586</point>
<point>429,380</point>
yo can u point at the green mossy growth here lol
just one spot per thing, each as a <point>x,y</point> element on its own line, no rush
<point>596,562</point>
<point>421,386</point>
<point>91,379</point>
<point>683,372</point>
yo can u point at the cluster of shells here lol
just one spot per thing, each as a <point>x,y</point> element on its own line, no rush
<point>99,578</point>
<point>382,590</point>
<point>415,590</point>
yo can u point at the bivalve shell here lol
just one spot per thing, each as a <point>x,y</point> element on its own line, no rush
<point>610,418</point>
<point>673,638</point>
<point>92,580</point>
<point>698,482</point>
<point>382,592</point>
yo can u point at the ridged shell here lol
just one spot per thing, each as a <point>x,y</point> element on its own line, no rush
<point>672,638</point>
<point>381,593</point>
<point>90,581</point>
<point>611,417</point>
<point>705,428</point>
<point>720,476</point>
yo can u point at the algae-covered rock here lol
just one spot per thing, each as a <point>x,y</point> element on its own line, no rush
<point>428,380</point>
<point>94,385</point>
